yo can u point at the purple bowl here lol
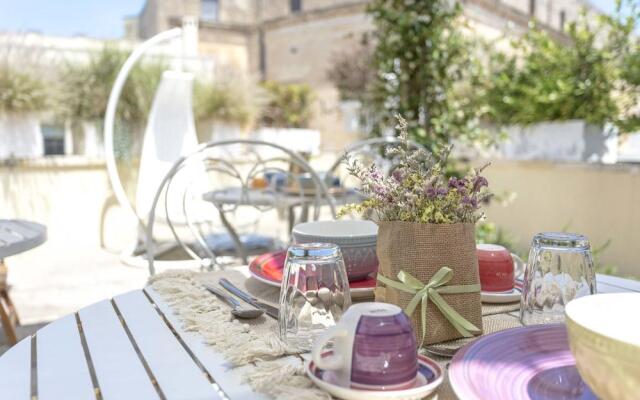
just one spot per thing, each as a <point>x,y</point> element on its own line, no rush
<point>384,352</point>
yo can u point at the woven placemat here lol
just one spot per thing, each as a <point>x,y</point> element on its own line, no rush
<point>490,309</point>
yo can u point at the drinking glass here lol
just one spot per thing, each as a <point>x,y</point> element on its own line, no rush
<point>560,269</point>
<point>314,292</point>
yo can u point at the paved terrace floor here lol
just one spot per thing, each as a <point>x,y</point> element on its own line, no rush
<point>49,282</point>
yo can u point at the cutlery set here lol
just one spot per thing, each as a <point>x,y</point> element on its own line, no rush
<point>257,307</point>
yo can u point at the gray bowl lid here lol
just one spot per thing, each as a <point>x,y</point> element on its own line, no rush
<point>349,232</point>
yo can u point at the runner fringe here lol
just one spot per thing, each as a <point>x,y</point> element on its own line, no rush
<point>284,380</point>
<point>201,312</point>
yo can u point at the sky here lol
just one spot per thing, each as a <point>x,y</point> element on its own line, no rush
<point>94,18</point>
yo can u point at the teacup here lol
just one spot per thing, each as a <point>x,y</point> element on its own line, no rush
<point>374,348</point>
<point>498,268</point>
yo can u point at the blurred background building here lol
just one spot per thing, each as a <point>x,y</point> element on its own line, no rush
<point>287,41</point>
<point>295,41</point>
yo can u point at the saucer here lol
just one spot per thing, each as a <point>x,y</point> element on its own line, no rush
<point>429,378</point>
<point>510,296</point>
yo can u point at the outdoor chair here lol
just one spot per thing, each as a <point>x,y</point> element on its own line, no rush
<point>170,133</point>
<point>243,193</point>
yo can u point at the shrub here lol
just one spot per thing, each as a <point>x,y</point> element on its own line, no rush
<point>424,66</point>
<point>21,92</point>
<point>594,76</point>
<point>288,105</point>
<point>86,88</point>
<point>221,102</point>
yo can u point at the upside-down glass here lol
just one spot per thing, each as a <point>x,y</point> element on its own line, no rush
<point>314,292</point>
<point>560,268</point>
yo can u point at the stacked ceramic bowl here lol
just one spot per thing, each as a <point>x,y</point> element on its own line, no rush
<point>357,241</point>
<point>604,336</point>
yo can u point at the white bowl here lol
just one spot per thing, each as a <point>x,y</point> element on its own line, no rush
<point>604,336</point>
<point>357,241</point>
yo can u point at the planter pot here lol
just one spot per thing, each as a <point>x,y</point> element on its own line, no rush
<point>575,141</point>
<point>92,145</point>
<point>209,130</point>
<point>20,136</point>
<point>422,250</point>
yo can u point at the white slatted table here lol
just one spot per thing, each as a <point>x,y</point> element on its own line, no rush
<point>132,347</point>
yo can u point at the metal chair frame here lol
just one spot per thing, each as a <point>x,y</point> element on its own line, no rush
<point>321,195</point>
<point>363,146</point>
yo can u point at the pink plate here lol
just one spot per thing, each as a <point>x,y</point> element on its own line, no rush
<point>267,268</point>
<point>533,362</point>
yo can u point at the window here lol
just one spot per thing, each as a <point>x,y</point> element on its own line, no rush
<point>296,6</point>
<point>53,136</point>
<point>209,10</point>
<point>563,19</point>
<point>532,8</point>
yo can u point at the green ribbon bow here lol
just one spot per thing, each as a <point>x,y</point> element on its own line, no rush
<point>431,291</point>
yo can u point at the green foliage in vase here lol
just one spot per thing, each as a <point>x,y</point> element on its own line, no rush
<point>21,92</point>
<point>221,102</point>
<point>288,105</point>
<point>424,70</point>
<point>591,75</point>
<point>418,189</point>
<point>86,88</point>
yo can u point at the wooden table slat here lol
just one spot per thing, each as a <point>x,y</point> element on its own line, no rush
<point>177,374</point>
<point>15,372</point>
<point>228,378</point>
<point>119,370</point>
<point>62,367</point>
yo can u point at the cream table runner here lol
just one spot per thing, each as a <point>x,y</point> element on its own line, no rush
<point>272,367</point>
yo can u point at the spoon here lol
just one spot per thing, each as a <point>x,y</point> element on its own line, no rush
<point>237,310</point>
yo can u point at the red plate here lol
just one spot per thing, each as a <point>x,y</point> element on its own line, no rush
<point>268,268</point>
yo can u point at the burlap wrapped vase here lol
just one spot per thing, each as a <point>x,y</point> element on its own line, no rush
<point>421,250</point>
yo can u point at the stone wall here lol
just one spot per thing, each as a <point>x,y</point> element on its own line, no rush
<point>64,193</point>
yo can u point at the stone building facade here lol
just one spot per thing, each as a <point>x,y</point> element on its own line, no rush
<point>294,41</point>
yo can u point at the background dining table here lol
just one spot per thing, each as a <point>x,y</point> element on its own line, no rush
<point>133,347</point>
<point>16,236</point>
<point>285,200</point>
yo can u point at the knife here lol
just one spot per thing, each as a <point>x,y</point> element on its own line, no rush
<point>246,297</point>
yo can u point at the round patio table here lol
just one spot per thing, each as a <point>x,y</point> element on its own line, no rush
<point>132,347</point>
<point>17,236</point>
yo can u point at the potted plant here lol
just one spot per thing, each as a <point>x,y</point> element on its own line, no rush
<point>426,244</point>
<point>22,98</point>
<point>285,118</point>
<point>222,109</point>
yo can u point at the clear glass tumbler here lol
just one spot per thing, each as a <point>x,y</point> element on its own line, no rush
<point>314,292</point>
<point>560,269</point>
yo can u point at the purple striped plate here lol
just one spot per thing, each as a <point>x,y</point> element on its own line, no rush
<point>532,362</point>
